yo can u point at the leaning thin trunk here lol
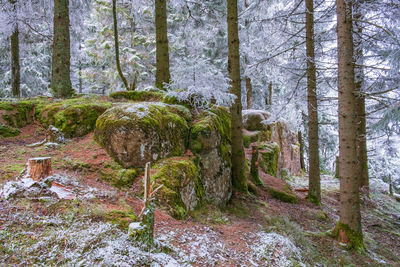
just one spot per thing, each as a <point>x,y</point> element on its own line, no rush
<point>116,41</point>
<point>269,94</point>
<point>301,142</point>
<point>314,186</point>
<point>249,93</point>
<point>15,66</point>
<point>349,229</point>
<point>238,156</point>
<point>60,72</point>
<point>162,51</point>
<point>360,99</point>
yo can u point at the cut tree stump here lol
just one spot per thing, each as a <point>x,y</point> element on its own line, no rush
<point>39,168</point>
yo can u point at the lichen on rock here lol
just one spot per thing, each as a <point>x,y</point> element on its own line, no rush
<point>136,133</point>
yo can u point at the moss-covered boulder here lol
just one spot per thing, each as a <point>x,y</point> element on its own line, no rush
<point>279,189</point>
<point>73,117</point>
<point>136,133</point>
<point>138,95</point>
<point>253,120</point>
<point>17,114</point>
<point>182,189</point>
<point>210,142</point>
<point>8,131</point>
<point>268,156</point>
<point>289,156</point>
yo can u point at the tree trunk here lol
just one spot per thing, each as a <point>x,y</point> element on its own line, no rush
<point>349,229</point>
<point>162,53</point>
<point>254,166</point>
<point>360,99</point>
<point>269,94</point>
<point>39,168</point>
<point>302,163</point>
<point>15,66</point>
<point>116,42</point>
<point>80,70</point>
<point>249,91</point>
<point>314,185</point>
<point>60,72</point>
<point>238,156</point>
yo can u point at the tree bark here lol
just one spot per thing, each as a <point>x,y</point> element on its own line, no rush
<point>269,94</point>
<point>15,66</point>
<point>238,156</point>
<point>349,229</point>
<point>60,72</point>
<point>360,99</point>
<point>116,42</point>
<point>249,93</point>
<point>39,168</point>
<point>162,50</point>
<point>302,163</point>
<point>314,185</point>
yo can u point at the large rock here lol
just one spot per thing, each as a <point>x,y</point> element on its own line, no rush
<point>137,133</point>
<point>254,120</point>
<point>182,189</point>
<point>289,158</point>
<point>16,114</point>
<point>73,117</point>
<point>210,141</point>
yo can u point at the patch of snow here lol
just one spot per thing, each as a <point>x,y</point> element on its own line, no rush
<point>378,185</point>
<point>275,250</point>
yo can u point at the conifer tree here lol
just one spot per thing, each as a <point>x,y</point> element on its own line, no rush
<point>162,53</point>
<point>348,230</point>
<point>60,72</point>
<point>238,156</point>
<point>314,192</point>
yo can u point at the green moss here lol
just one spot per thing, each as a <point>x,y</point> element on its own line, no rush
<point>174,174</point>
<point>250,137</point>
<point>125,178</point>
<point>120,218</point>
<point>269,158</point>
<point>212,129</point>
<point>355,240</point>
<point>74,117</point>
<point>17,114</point>
<point>8,131</point>
<point>313,199</point>
<point>138,95</point>
<point>283,196</point>
<point>285,174</point>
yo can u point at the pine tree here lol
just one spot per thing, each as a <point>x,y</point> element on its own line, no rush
<point>162,54</point>
<point>60,73</point>
<point>238,157</point>
<point>314,193</point>
<point>348,230</point>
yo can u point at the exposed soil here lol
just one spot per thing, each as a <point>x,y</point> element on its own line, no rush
<point>228,231</point>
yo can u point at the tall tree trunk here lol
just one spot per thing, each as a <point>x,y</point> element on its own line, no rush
<point>15,66</point>
<point>360,99</point>
<point>314,185</point>
<point>60,72</point>
<point>80,69</point>
<point>348,230</point>
<point>238,156</point>
<point>249,93</point>
<point>301,142</point>
<point>162,53</point>
<point>270,94</point>
<point>116,42</point>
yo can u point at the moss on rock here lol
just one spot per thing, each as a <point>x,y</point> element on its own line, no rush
<point>138,95</point>
<point>136,133</point>
<point>268,157</point>
<point>182,189</point>
<point>282,195</point>
<point>8,131</point>
<point>210,142</point>
<point>74,117</point>
<point>17,114</point>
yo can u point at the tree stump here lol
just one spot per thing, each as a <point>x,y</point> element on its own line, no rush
<point>39,168</point>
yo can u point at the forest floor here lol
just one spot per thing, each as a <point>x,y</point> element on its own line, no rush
<point>89,227</point>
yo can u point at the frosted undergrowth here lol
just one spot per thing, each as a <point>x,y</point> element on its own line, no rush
<point>328,182</point>
<point>275,250</point>
<point>78,243</point>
